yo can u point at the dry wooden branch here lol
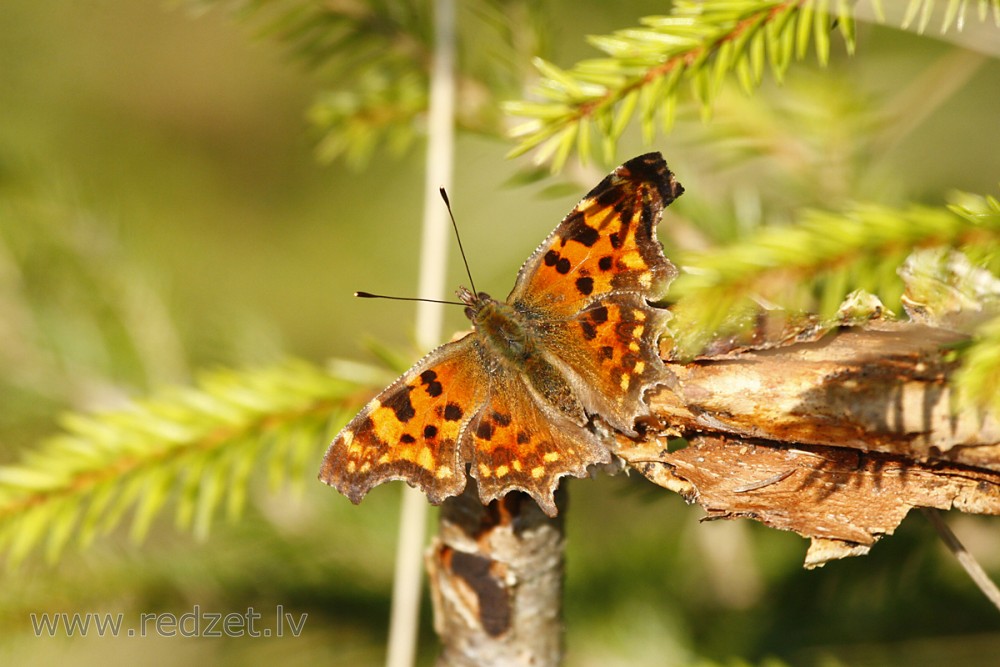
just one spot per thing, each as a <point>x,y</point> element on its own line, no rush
<point>836,439</point>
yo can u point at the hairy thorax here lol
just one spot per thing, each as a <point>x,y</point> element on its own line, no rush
<point>508,335</point>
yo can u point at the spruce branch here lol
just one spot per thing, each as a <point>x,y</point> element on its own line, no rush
<point>699,45</point>
<point>976,380</point>
<point>194,447</point>
<point>826,254</point>
<point>373,59</point>
<point>351,124</point>
<point>336,38</point>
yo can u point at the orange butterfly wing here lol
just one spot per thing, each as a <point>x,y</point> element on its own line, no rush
<point>412,429</point>
<point>457,406</point>
<point>592,278</point>
<point>520,440</point>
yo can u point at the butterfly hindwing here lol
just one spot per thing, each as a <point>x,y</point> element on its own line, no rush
<point>518,441</point>
<point>618,358</point>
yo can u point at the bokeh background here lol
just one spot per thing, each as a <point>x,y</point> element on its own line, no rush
<point>162,210</point>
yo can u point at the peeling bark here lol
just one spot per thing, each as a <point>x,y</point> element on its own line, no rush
<point>836,439</point>
<point>496,582</point>
<point>843,500</point>
<point>882,389</point>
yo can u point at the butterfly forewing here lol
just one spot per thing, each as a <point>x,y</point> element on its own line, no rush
<point>412,429</point>
<point>606,244</point>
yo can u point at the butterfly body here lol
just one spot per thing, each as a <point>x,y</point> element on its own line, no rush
<point>499,326</point>
<point>513,400</point>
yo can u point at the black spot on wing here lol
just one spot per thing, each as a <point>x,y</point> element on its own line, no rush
<point>430,382</point>
<point>605,263</point>
<point>399,402</point>
<point>598,315</point>
<point>501,419</point>
<point>585,285</point>
<point>625,331</point>
<point>485,430</point>
<point>606,193</point>
<point>452,412</point>
<point>584,234</point>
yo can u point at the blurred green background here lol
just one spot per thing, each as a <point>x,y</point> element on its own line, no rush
<point>162,211</point>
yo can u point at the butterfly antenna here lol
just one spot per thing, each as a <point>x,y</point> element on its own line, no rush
<point>369,295</point>
<point>458,237</point>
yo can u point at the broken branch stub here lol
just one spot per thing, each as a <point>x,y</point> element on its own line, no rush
<point>496,581</point>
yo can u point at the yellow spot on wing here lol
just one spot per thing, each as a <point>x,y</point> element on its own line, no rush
<point>444,472</point>
<point>484,471</point>
<point>502,471</point>
<point>633,260</point>
<point>425,459</point>
<point>537,472</point>
<point>624,382</point>
<point>640,366</point>
<point>551,457</point>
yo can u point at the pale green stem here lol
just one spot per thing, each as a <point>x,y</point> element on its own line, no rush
<point>404,620</point>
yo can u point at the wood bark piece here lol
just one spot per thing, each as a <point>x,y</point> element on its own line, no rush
<point>496,582</point>
<point>843,500</point>
<point>880,389</point>
<point>835,439</point>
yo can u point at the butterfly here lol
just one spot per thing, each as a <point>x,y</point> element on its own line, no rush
<point>513,402</point>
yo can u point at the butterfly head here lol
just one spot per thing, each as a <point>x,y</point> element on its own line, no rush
<point>474,302</point>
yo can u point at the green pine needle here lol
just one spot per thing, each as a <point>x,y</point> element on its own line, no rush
<point>193,448</point>
<point>701,44</point>
<point>976,380</point>
<point>779,262</point>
